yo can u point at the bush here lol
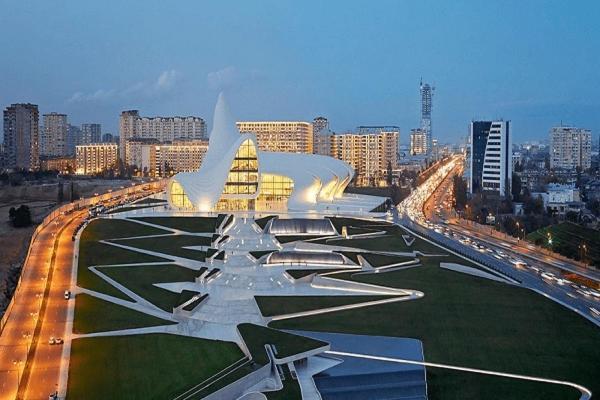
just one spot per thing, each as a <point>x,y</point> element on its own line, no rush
<point>20,217</point>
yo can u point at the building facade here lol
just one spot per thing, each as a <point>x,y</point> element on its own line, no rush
<point>21,136</point>
<point>95,158</point>
<point>163,129</point>
<point>418,142</point>
<point>369,154</point>
<point>165,159</point>
<point>490,157</point>
<point>91,133</point>
<point>64,165</point>
<point>426,108</point>
<point>53,139</point>
<point>73,138</point>
<point>236,175</point>
<point>570,148</point>
<point>281,136</point>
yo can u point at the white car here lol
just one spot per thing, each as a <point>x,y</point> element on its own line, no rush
<point>67,295</point>
<point>52,341</point>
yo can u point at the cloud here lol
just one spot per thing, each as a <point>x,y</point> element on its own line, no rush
<point>166,82</point>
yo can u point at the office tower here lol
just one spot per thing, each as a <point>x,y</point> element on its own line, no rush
<point>73,138</point>
<point>163,129</point>
<point>369,152</point>
<point>95,157</point>
<point>21,136</point>
<point>418,142</point>
<point>570,148</point>
<point>109,138</point>
<point>490,157</point>
<point>321,136</point>
<point>281,136</point>
<point>91,133</point>
<point>319,124</point>
<point>426,107</point>
<point>152,158</point>
<point>53,141</point>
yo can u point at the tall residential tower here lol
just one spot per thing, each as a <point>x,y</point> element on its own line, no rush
<point>426,107</point>
<point>21,136</point>
<point>490,157</point>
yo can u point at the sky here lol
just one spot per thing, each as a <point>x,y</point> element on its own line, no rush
<point>536,63</point>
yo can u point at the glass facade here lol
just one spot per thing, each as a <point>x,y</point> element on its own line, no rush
<point>243,175</point>
<point>178,197</point>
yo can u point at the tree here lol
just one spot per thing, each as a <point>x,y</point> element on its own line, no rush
<point>20,217</point>
<point>390,176</point>
<point>516,187</point>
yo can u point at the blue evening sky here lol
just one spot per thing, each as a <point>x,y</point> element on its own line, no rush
<point>355,62</point>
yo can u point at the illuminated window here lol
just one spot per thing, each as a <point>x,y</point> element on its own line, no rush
<point>276,185</point>
<point>243,175</point>
<point>178,197</point>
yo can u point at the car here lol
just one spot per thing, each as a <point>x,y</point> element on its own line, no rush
<point>67,295</point>
<point>59,341</point>
<point>595,312</point>
<point>51,341</point>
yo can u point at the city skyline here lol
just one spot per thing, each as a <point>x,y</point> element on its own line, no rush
<point>302,53</point>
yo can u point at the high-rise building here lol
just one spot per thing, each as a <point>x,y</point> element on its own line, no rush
<point>53,140</point>
<point>21,136</point>
<point>490,157</point>
<point>281,136</point>
<point>94,158</point>
<point>321,136</point>
<point>164,159</point>
<point>368,153</point>
<point>426,107</point>
<point>570,148</point>
<point>109,138</point>
<point>418,142</point>
<point>163,129</point>
<point>91,133</point>
<point>73,138</point>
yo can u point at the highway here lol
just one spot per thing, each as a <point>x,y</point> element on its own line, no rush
<point>418,213</point>
<point>30,367</point>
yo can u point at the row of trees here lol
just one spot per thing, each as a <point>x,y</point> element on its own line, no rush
<point>20,217</point>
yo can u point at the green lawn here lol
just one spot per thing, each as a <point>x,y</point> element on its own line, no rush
<point>566,239</point>
<point>140,280</point>
<point>123,209</point>
<point>91,252</point>
<point>95,315</point>
<point>444,384</point>
<point>392,241</point>
<point>278,305</point>
<point>172,245</point>
<point>300,273</point>
<point>188,224</point>
<point>100,229</point>
<point>290,390</point>
<point>474,322</point>
<point>287,344</point>
<point>376,260</point>
<point>339,222</point>
<point>153,366</point>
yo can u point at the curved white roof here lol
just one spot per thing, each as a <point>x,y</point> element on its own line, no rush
<point>316,178</point>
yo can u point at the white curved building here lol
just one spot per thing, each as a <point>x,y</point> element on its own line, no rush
<point>235,175</point>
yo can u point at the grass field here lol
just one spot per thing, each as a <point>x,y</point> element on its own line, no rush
<point>290,390</point>
<point>140,280</point>
<point>286,344</point>
<point>277,305</point>
<point>473,322</point>
<point>123,209</point>
<point>188,224</point>
<point>91,252</point>
<point>566,239</point>
<point>153,366</point>
<point>95,315</point>
<point>172,245</point>
<point>149,200</point>
<point>376,260</point>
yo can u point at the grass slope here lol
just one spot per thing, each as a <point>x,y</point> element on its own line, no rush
<point>278,305</point>
<point>188,224</point>
<point>96,315</point>
<point>154,366</point>
<point>140,280</point>
<point>566,239</point>
<point>172,245</point>
<point>473,322</point>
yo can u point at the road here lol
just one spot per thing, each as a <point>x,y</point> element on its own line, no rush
<point>416,211</point>
<point>50,261</point>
